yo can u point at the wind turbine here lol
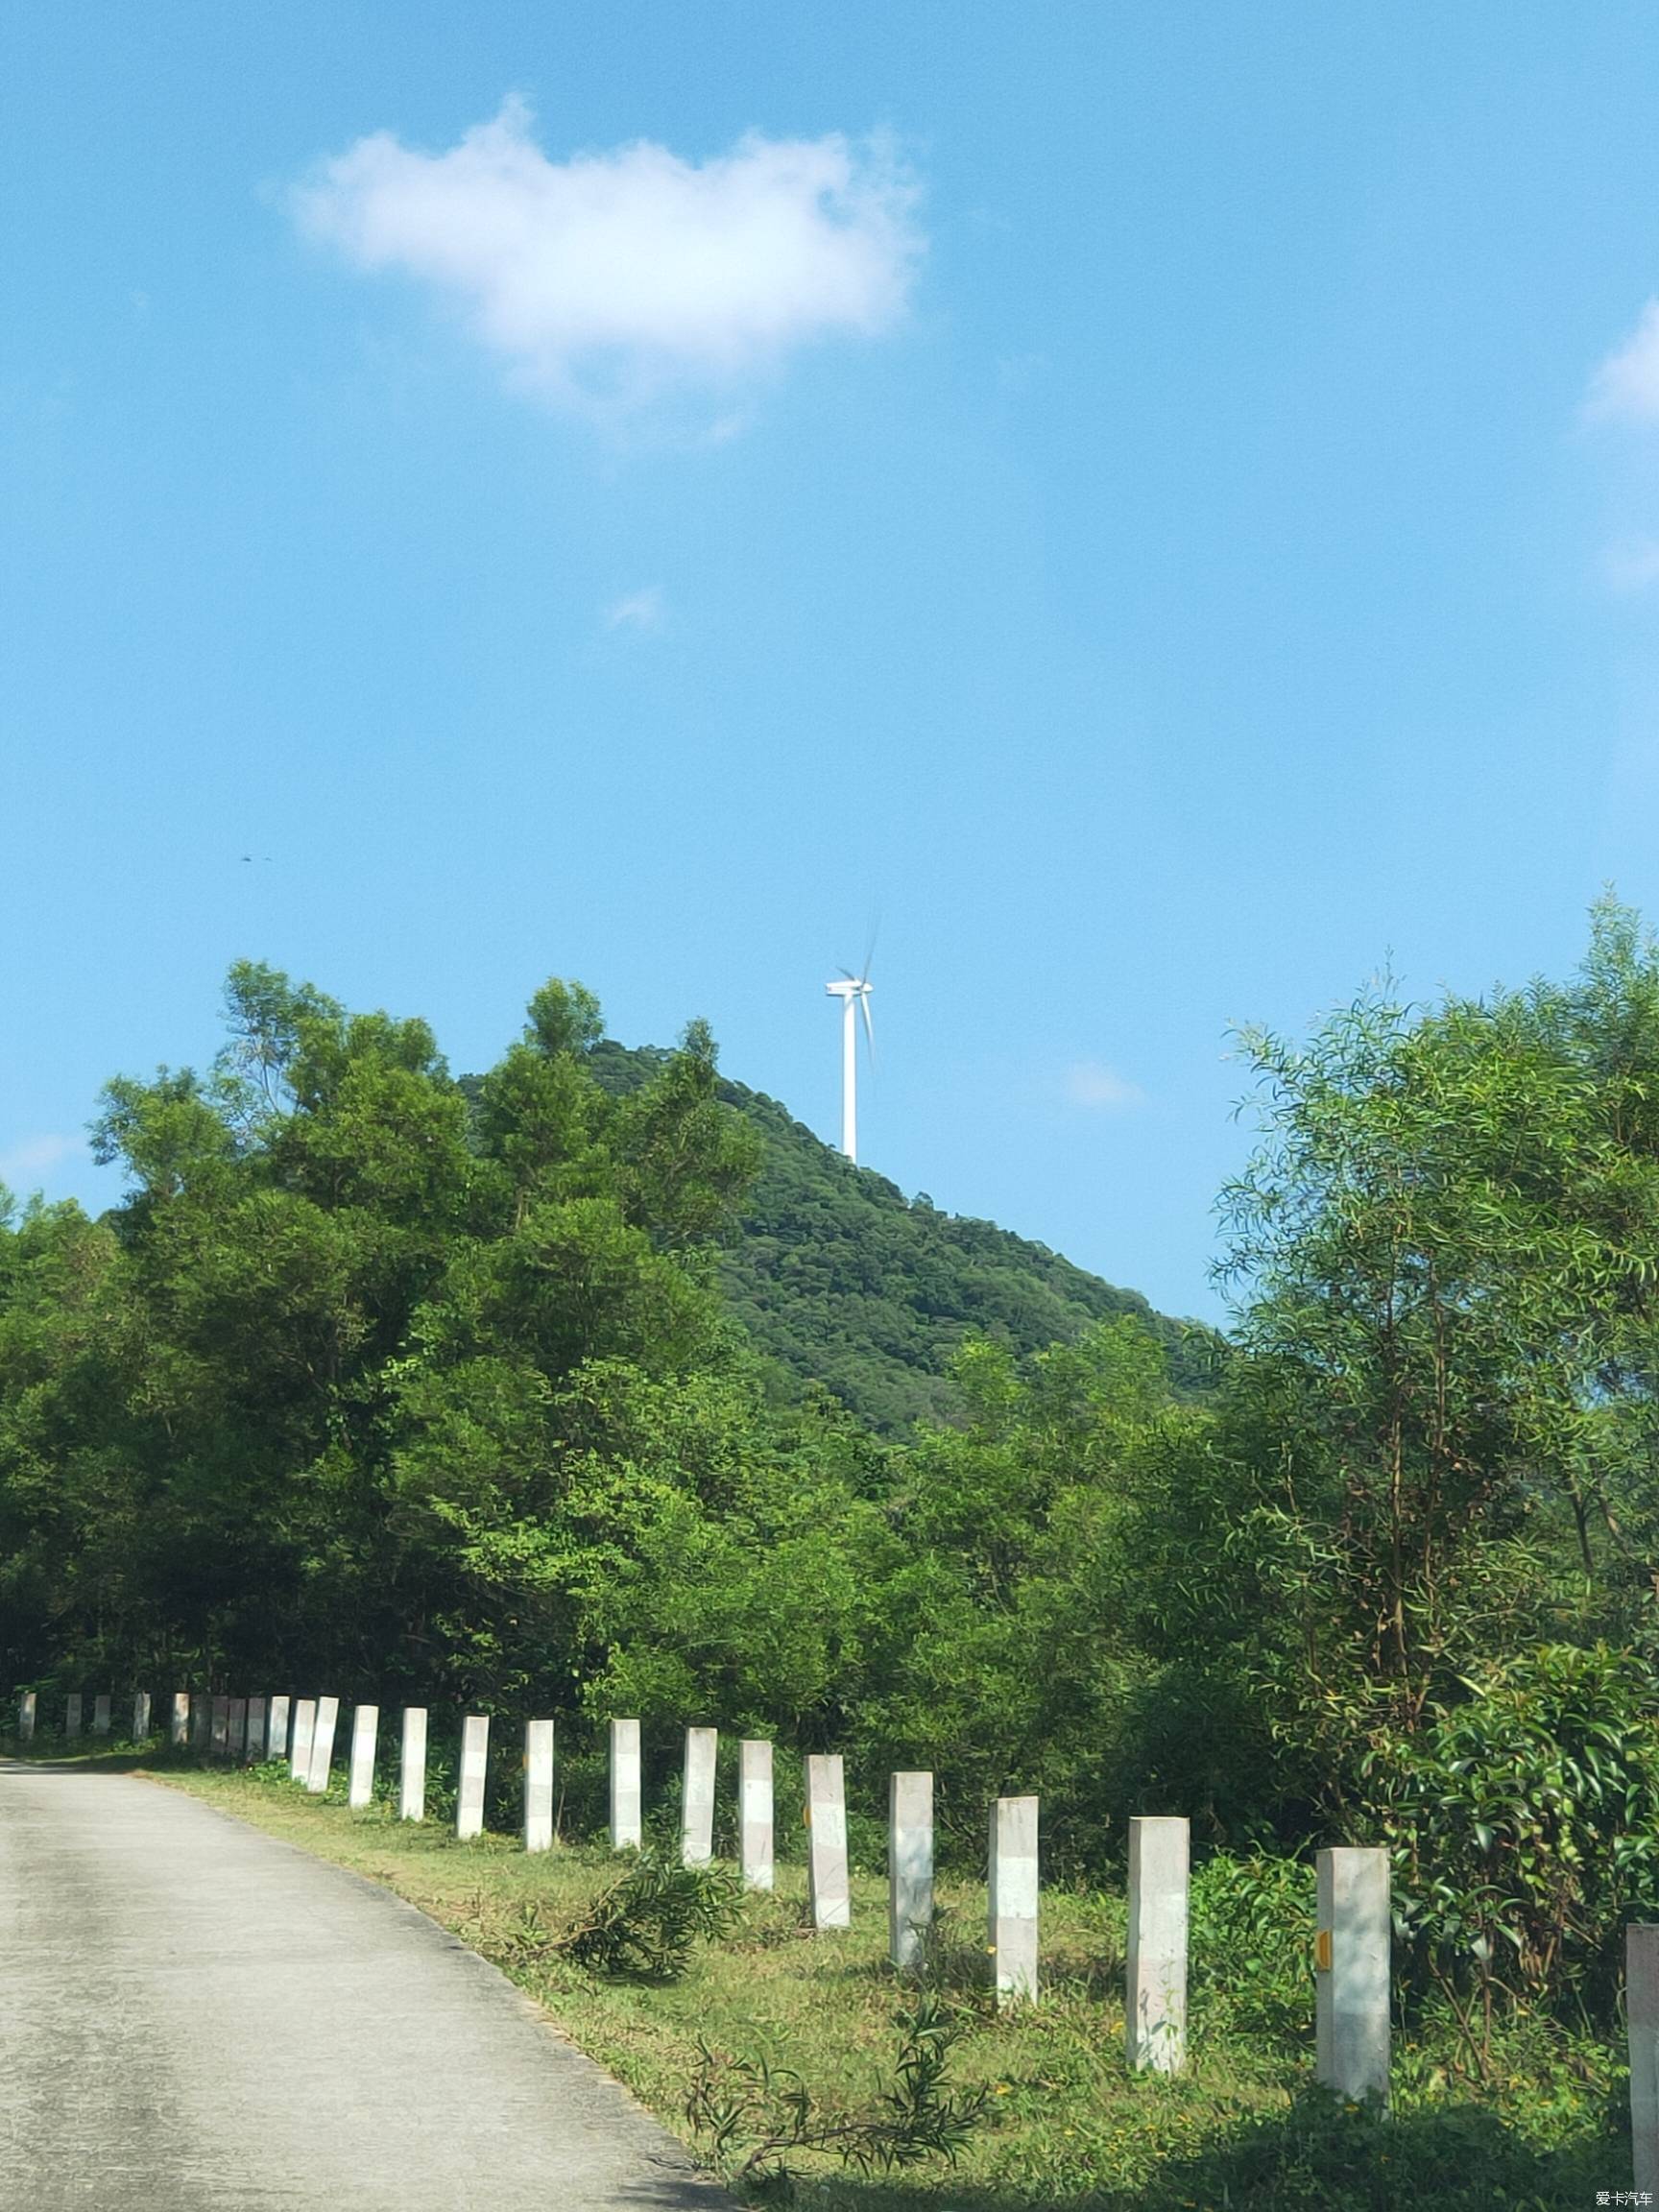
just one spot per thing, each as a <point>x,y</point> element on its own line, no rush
<point>853,992</point>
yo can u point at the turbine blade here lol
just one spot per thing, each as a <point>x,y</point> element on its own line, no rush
<point>869,1026</point>
<point>869,948</point>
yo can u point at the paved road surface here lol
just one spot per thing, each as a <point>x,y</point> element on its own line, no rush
<point>193,2014</point>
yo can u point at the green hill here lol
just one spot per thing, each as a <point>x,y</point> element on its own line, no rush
<point>840,1280</point>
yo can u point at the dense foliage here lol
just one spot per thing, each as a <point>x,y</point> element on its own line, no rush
<point>454,1388</point>
<point>845,1286</point>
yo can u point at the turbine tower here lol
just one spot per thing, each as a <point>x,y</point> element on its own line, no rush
<point>853,992</point>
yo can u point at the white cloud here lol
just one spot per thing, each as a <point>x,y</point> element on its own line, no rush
<point>1091,1083</point>
<point>1626,385</point>
<point>25,1164</point>
<point>637,611</point>
<point>613,275</point>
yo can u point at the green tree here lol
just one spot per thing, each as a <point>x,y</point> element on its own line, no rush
<point>1451,1243</point>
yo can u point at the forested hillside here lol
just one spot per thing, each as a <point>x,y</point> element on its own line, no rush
<point>840,1281</point>
<point>421,1389</point>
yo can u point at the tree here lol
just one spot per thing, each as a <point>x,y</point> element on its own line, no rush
<point>1450,1244</point>
<point>309,1392</point>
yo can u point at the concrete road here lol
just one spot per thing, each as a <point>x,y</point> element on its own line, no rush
<point>194,2014</point>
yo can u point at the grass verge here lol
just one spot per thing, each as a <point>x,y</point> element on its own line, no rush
<point>1068,2128</point>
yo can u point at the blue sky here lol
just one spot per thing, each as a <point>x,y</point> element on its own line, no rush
<point>1159,503</point>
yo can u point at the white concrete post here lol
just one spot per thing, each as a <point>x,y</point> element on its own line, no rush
<point>219,1738</point>
<point>276,1722</point>
<point>72,1717</point>
<point>697,1797</point>
<point>1155,1999</point>
<point>1013,1897</point>
<point>360,1776</point>
<point>1642,2017</point>
<point>1351,1961</point>
<point>538,1785</point>
<point>826,1883</point>
<point>909,1865</point>
<point>304,1732</point>
<point>141,1715</point>
<point>323,1745</point>
<point>178,1720</point>
<point>101,1715</point>
<point>756,1847</point>
<point>474,1760</point>
<point>26,1718</point>
<point>236,1743</point>
<point>254,1748</point>
<point>412,1765</point>
<point>627,1806</point>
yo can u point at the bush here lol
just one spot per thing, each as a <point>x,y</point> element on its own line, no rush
<point>1525,1825</point>
<point>766,2115</point>
<point>1251,1947</point>
<point>645,1926</point>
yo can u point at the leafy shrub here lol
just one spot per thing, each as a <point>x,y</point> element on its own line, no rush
<point>1525,1825</point>
<point>662,1814</point>
<point>645,1926</point>
<point>443,1769</point>
<point>582,1778</point>
<point>767,2115</point>
<point>1251,1944</point>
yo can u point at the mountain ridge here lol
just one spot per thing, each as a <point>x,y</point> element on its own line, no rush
<point>842,1281</point>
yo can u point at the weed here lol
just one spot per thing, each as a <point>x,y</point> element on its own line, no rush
<point>645,1926</point>
<point>769,2114</point>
